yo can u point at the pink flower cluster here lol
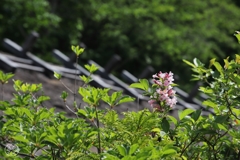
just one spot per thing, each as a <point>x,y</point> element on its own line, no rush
<point>164,96</point>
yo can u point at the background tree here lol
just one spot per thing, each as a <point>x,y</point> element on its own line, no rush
<point>160,33</point>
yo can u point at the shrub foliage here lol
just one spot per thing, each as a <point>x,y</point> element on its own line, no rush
<point>29,130</point>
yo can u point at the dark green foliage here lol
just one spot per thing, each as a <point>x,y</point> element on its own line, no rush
<point>157,32</point>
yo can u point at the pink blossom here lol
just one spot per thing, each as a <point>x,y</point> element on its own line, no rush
<point>171,102</point>
<point>164,95</point>
<point>171,92</point>
<point>154,104</point>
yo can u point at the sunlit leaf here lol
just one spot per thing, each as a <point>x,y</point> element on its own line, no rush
<point>133,148</point>
<point>185,112</point>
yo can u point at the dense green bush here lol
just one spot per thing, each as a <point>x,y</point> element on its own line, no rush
<point>19,17</point>
<point>157,32</point>
<point>28,130</point>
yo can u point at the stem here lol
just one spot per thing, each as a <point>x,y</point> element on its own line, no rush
<point>99,140</point>
<point>75,81</point>
<point>189,145</point>
<point>70,109</point>
<point>2,91</point>
<point>66,87</point>
<point>20,154</point>
<point>228,105</point>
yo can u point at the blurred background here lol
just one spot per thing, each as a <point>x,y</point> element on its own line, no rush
<point>159,33</point>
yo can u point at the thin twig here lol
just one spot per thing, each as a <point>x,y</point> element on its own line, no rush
<point>99,138</point>
<point>189,145</point>
<point>2,91</point>
<point>66,87</point>
<point>70,109</point>
<point>229,107</point>
<point>75,80</point>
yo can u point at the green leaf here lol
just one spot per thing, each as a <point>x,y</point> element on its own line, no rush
<point>237,35</point>
<point>84,79</point>
<point>206,90</point>
<point>169,152</point>
<point>209,103</point>
<point>43,98</point>
<point>211,62</point>
<point>115,96</point>
<point>189,63</point>
<point>77,50</point>
<point>28,113</point>
<point>57,75</point>
<point>226,63</point>
<point>133,148</point>
<point>221,118</point>
<point>195,115</point>
<point>156,130</point>
<point>82,112</point>
<point>20,138</point>
<point>197,62</point>
<point>111,157</point>
<point>129,158</point>
<point>125,99</point>
<point>4,77</point>
<point>91,68</point>
<point>165,125</point>
<point>185,112</point>
<point>144,85</point>
<point>218,67</point>
<point>220,126</point>
<point>64,95</point>
<point>52,139</point>
<point>122,150</point>
<point>173,119</point>
<point>43,135</point>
